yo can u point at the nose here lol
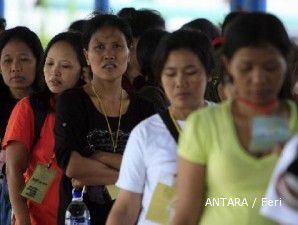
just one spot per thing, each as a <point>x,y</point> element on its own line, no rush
<point>15,66</point>
<point>56,70</point>
<point>258,76</point>
<point>180,81</point>
<point>109,54</point>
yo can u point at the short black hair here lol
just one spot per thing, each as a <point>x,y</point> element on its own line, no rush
<point>259,30</point>
<point>77,25</point>
<point>205,26</point>
<point>194,41</point>
<point>229,18</point>
<point>145,51</point>
<point>142,20</point>
<point>108,20</point>
<point>27,36</point>
<point>2,24</point>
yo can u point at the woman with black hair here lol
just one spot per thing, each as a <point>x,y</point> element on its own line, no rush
<point>183,63</point>
<point>93,123</point>
<point>224,162</point>
<point>20,55</point>
<point>28,154</point>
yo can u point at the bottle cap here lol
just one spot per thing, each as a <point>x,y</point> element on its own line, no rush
<point>76,194</point>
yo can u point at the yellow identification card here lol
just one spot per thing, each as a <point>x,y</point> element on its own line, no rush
<point>39,183</point>
<point>162,204</point>
<point>113,191</point>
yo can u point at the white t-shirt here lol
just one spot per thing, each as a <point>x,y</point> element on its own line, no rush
<point>150,156</point>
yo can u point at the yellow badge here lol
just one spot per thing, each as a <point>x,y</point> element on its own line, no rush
<point>162,204</point>
<point>113,191</point>
<point>37,186</point>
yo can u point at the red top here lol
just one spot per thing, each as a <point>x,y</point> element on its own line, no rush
<point>20,128</point>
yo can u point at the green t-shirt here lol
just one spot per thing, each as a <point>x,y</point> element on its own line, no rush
<point>235,180</point>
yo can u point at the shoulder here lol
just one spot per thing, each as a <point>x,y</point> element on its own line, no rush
<point>71,94</point>
<point>149,126</point>
<point>72,98</point>
<point>140,102</point>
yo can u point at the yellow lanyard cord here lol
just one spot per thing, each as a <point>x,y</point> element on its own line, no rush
<point>114,143</point>
<point>175,123</point>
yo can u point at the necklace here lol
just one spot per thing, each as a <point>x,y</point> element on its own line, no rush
<point>175,122</point>
<point>267,109</point>
<point>114,142</point>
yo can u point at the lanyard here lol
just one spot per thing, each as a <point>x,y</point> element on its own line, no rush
<point>51,161</point>
<point>267,109</point>
<point>114,142</point>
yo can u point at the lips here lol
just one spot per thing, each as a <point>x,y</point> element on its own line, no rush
<point>55,82</point>
<point>109,66</point>
<point>182,94</point>
<point>17,78</point>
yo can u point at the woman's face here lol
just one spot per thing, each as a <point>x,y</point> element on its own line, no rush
<point>62,68</point>
<point>258,73</point>
<point>107,54</point>
<point>17,64</point>
<point>184,79</point>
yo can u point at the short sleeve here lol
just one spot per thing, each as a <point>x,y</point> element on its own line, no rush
<point>193,141</point>
<point>20,126</point>
<point>70,127</point>
<point>133,170</point>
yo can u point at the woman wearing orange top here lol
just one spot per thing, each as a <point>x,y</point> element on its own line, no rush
<point>63,63</point>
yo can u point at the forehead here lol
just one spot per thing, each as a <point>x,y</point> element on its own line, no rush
<point>16,46</point>
<point>261,53</point>
<point>62,48</point>
<point>107,33</point>
<point>182,56</point>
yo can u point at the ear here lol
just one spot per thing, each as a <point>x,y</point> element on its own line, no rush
<point>226,63</point>
<point>86,56</point>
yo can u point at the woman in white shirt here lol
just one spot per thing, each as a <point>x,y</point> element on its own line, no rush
<point>182,64</point>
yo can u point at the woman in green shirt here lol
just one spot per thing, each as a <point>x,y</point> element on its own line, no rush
<point>220,179</point>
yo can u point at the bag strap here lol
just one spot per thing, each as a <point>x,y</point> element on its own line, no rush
<point>40,114</point>
<point>166,118</point>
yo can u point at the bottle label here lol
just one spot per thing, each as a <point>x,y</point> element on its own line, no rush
<point>77,221</point>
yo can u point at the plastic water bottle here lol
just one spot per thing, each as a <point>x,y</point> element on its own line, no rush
<point>77,212</point>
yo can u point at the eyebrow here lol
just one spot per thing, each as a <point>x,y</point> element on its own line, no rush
<point>21,54</point>
<point>49,58</point>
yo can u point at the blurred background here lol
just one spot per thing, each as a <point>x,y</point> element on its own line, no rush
<point>49,17</point>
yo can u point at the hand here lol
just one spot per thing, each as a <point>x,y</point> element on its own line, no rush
<point>76,183</point>
<point>278,148</point>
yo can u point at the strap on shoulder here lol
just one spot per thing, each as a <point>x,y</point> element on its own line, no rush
<point>40,113</point>
<point>165,116</point>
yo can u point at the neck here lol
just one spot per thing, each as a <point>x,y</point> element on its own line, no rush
<point>108,89</point>
<point>183,113</point>
<point>20,93</point>
<point>251,109</point>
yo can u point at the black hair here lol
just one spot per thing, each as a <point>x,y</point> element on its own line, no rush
<point>192,40</point>
<point>75,40</point>
<point>77,25</point>
<point>2,24</point>
<point>145,51</point>
<point>229,18</point>
<point>142,20</point>
<point>205,26</point>
<point>259,30</point>
<point>98,21</point>
<point>27,36</point>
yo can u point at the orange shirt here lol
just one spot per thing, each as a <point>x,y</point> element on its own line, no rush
<point>21,128</point>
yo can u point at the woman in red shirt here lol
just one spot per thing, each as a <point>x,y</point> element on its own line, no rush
<point>62,66</point>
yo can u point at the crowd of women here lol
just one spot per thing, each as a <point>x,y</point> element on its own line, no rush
<point>176,120</point>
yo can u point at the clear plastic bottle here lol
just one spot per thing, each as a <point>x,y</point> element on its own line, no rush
<point>77,212</point>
